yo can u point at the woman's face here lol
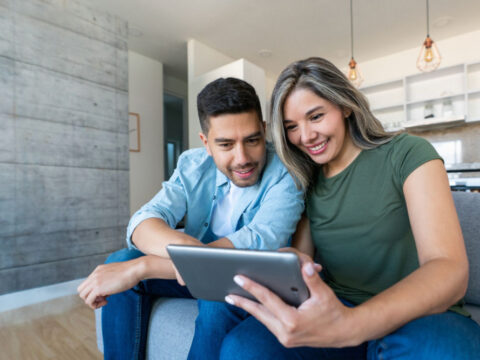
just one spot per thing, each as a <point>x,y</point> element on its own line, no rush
<point>316,126</point>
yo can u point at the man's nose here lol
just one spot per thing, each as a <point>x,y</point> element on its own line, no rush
<point>241,155</point>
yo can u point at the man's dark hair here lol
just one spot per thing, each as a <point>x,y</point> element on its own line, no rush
<point>226,96</point>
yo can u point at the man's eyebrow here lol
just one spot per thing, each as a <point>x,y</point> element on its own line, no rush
<point>254,135</point>
<point>223,140</point>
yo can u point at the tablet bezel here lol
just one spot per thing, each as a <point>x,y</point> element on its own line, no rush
<point>208,272</point>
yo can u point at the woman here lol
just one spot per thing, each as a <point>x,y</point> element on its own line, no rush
<point>382,223</point>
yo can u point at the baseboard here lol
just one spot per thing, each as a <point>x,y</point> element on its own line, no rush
<point>31,304</point>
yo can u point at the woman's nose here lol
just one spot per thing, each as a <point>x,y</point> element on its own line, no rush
<point>307,135</point>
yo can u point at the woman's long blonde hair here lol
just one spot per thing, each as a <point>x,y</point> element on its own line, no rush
<point>327,81</point>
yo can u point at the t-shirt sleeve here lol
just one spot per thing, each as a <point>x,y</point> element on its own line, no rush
<point>409,153</point>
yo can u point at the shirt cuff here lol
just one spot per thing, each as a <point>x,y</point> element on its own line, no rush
<point>134,222</point>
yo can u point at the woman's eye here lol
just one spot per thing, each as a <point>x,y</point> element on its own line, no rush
<point>290,127</point>
<point>316,117</point>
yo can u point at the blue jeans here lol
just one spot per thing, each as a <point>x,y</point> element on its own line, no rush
<point>223,331</point>
<point>125,317</point>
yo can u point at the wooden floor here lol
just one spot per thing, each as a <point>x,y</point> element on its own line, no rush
<point>66,336</point>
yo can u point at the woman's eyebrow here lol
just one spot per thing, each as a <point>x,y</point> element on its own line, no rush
<point>319,107</point>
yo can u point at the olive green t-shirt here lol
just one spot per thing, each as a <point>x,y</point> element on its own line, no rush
<point>359,220</point>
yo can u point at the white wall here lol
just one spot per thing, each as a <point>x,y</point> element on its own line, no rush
<point>175,86</point>
<point>455,50</point>
<point>205,65</point>
<point>145,87</point>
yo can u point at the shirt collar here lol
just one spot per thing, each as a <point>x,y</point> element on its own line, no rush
<point>221,179</point>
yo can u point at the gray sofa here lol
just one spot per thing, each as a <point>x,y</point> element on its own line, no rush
<point>172,320</point>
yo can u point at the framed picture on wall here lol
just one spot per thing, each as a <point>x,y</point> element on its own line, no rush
<point>134,131</point>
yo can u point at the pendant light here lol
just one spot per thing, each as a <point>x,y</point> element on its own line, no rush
<point>353,73</point>
<point>429,57</point>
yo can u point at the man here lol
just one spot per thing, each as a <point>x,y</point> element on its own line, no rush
<point>234,192</point>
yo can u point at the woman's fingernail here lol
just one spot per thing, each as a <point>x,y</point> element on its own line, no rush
<point>309,269</point>
<point>238,280</point>
<point>229,300</point>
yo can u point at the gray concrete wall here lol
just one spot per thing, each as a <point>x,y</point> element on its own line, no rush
<point>64,161</point>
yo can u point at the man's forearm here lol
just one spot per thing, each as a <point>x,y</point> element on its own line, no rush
<point>153,235</point>
<point>155,267</point>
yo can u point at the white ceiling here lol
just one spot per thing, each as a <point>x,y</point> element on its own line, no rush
<point>290,29</point>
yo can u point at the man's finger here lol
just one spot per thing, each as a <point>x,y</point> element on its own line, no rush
<point>85,293</point>
<point>92,298</point>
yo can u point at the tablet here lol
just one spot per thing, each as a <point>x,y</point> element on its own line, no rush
<point>208,272</point>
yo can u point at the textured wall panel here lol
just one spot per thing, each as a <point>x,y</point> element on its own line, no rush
<point>67,15</point>
<point>7,68</point>
<point>67,52</point>
<point>6,31</point>
<point>7,200</point>
<point>49,95</point>
<point>49,143</point>
<point>64,192</point>
<point>7,144</point>
<point>53,199</point>
<point>26,277</point>
<point>41,248</point>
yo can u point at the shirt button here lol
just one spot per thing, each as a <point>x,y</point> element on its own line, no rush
<point>214,197</point>
<point>206,224</point>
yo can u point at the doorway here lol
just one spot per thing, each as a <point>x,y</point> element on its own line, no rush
<point>174,129</point>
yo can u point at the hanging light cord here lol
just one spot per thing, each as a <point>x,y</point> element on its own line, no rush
<point>428,21</point>
<point>351,29</point>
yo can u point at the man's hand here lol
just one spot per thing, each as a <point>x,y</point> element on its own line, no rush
<point>178,276</point>
<point>109,279</point>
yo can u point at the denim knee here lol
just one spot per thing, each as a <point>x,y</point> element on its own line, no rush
<point>123,255</point>
<point>441,336</point>
<point>219,314</point>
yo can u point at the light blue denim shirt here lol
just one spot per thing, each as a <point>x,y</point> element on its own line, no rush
<point>264,218</point>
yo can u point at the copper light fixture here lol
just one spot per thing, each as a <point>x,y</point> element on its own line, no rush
<point>353,73</point>
<point>429,58</point>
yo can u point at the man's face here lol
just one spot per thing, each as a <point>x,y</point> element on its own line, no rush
<point>237,144</point>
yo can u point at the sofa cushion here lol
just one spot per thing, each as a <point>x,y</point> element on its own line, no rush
<point>171,328</point>
<point>172,324</point>
<point>468,209</point>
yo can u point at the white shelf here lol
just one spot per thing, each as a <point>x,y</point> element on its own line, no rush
<point>433,99</point>
<point>388,107</point>
<point>380,86</point>
<point>395,101</point>
<point>427,124</point>
<point>474,92</point>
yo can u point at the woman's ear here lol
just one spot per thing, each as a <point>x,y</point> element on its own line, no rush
<point>347,112</point>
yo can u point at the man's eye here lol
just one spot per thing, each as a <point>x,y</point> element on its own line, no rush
<point>253,141</point>
<point>224,145</point>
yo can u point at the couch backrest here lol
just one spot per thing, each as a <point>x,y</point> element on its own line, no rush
<point>468,209</point>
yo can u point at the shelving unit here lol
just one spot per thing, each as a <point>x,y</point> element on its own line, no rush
<point>473,91</point>
<point>387,101</point>
<point>443,98</point>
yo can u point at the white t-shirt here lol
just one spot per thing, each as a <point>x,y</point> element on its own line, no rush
<point>222,214</point>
